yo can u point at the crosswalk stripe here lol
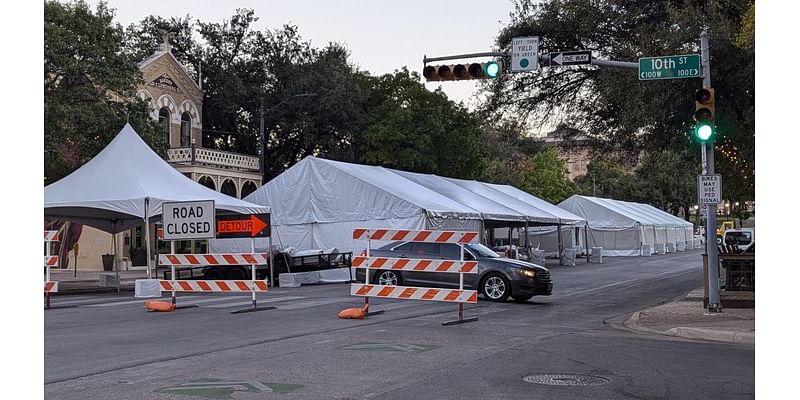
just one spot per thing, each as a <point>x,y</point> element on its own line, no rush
<point>266,300</point>
<point>313,303</point>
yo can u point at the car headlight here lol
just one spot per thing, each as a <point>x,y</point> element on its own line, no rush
<point>527,272</point>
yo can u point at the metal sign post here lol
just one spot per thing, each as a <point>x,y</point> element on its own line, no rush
<point>714,305</point>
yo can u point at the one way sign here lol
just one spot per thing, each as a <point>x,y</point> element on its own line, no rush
<point>571,58</point>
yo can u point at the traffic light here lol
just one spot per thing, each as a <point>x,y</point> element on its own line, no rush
<point>459,72</point>
<point>704,114</point>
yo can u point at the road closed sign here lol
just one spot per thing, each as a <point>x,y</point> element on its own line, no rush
<point>189,220</point>
<point>709,188</point>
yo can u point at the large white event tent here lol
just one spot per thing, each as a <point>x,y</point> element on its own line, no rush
<point>625,228</point>
<point>317,203</point>
<point>125,185</point>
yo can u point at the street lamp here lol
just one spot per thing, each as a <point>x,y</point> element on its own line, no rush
<point>262,134</point>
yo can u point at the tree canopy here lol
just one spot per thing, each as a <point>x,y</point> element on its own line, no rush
<point>615,109</point>
<point>89,87</point>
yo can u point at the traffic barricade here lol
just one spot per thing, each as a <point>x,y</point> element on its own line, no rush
<point>252,286</point>
<point>461,267</point>
<point>49,261</point>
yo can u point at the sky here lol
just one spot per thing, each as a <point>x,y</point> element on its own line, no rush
<point>382,36</point>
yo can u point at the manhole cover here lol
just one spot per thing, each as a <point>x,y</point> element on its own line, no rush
<point>566,379</point>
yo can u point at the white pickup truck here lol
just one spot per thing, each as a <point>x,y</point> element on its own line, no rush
<point>740,237</point>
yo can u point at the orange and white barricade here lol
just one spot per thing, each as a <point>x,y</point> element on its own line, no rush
<point>460,267</point>
<point>215,286</point>
<point>49,261</point>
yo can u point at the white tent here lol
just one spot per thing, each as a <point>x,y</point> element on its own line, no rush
<point>125,185</point>
<point>566,231</point>
<point>621,228</point>
<point>317,203</point>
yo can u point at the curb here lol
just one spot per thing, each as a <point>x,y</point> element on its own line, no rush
<point>694,333</point>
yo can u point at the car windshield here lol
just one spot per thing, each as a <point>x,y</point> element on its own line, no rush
<point>481,250</point>
<point>737,238</point>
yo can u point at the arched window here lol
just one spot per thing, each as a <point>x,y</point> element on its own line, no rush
<point>163,123</point>
<point>229,188</point>
<point>186,130</point>
<point>249,187</point>
<point>207,182</point>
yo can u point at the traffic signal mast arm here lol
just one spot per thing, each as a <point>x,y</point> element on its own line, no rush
<point>543,58</point>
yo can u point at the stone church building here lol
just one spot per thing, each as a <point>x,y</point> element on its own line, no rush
<point>176,102</point>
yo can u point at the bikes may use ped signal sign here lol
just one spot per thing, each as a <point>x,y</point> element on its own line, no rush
<point>243,226</point>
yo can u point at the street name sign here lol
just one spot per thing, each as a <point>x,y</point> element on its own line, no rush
<point>669,67</point>
<point>243,226</point>
<point>571,58</point>
<point>709,189</point>
<point>524,54</point>
<point>188,220</point>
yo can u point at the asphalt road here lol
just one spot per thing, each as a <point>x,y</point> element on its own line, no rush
<point>570,345</point>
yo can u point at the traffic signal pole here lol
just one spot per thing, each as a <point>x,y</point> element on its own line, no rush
<point>707,155</point>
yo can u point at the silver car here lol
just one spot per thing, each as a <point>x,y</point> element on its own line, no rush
<point>497,278</point>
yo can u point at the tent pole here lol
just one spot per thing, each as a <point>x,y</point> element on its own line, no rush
<point>586,238</point>
<point>147,234</point>
<point>527,247</point>
<point>114,245</point>
<point>560,242</point>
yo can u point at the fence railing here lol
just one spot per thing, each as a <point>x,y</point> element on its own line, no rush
<point>213,157</point>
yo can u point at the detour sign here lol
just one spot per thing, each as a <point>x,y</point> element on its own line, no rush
<point>243,226</point>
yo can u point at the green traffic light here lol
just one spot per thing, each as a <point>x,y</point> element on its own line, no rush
<point>703,132</point>
<point>491,69</point>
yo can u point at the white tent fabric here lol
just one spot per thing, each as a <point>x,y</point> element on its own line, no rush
<point>621,227</point>
<point>317,203</point>
<point>125,182</point>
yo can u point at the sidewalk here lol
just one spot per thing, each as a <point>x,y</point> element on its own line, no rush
<point>685,317</point>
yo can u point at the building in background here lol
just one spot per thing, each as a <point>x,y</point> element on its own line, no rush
<point>573,147</point>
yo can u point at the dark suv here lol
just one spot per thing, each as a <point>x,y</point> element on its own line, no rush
<point>497,278</point>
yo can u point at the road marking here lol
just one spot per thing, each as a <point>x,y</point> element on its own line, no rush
<point>138,301</point>
<point>401,347</point>
<point>258,301</point>
<point>224,389</point>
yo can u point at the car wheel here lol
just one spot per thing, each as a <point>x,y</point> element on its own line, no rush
<point>495,287</point>
<point>388,278</point>
<point>213,274</point>
<point>237,274</point>
<point>522,298</point>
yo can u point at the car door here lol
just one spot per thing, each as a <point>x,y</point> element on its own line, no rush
<point>451,251</point>
<point>426,251</point>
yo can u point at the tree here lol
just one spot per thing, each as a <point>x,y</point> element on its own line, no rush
<point>546,177</point>
<point>608,177</point>
<point>89,87</point>
<point>413,129</point>
<point>667,180</point>
<point>611,104</point>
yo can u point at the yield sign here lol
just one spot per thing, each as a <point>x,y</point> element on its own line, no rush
<point>243,226</point>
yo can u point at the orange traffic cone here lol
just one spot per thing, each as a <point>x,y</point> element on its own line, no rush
<point>354,313</point>
<point>161,306</point>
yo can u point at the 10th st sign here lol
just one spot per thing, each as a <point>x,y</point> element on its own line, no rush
<point>669,67</point>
